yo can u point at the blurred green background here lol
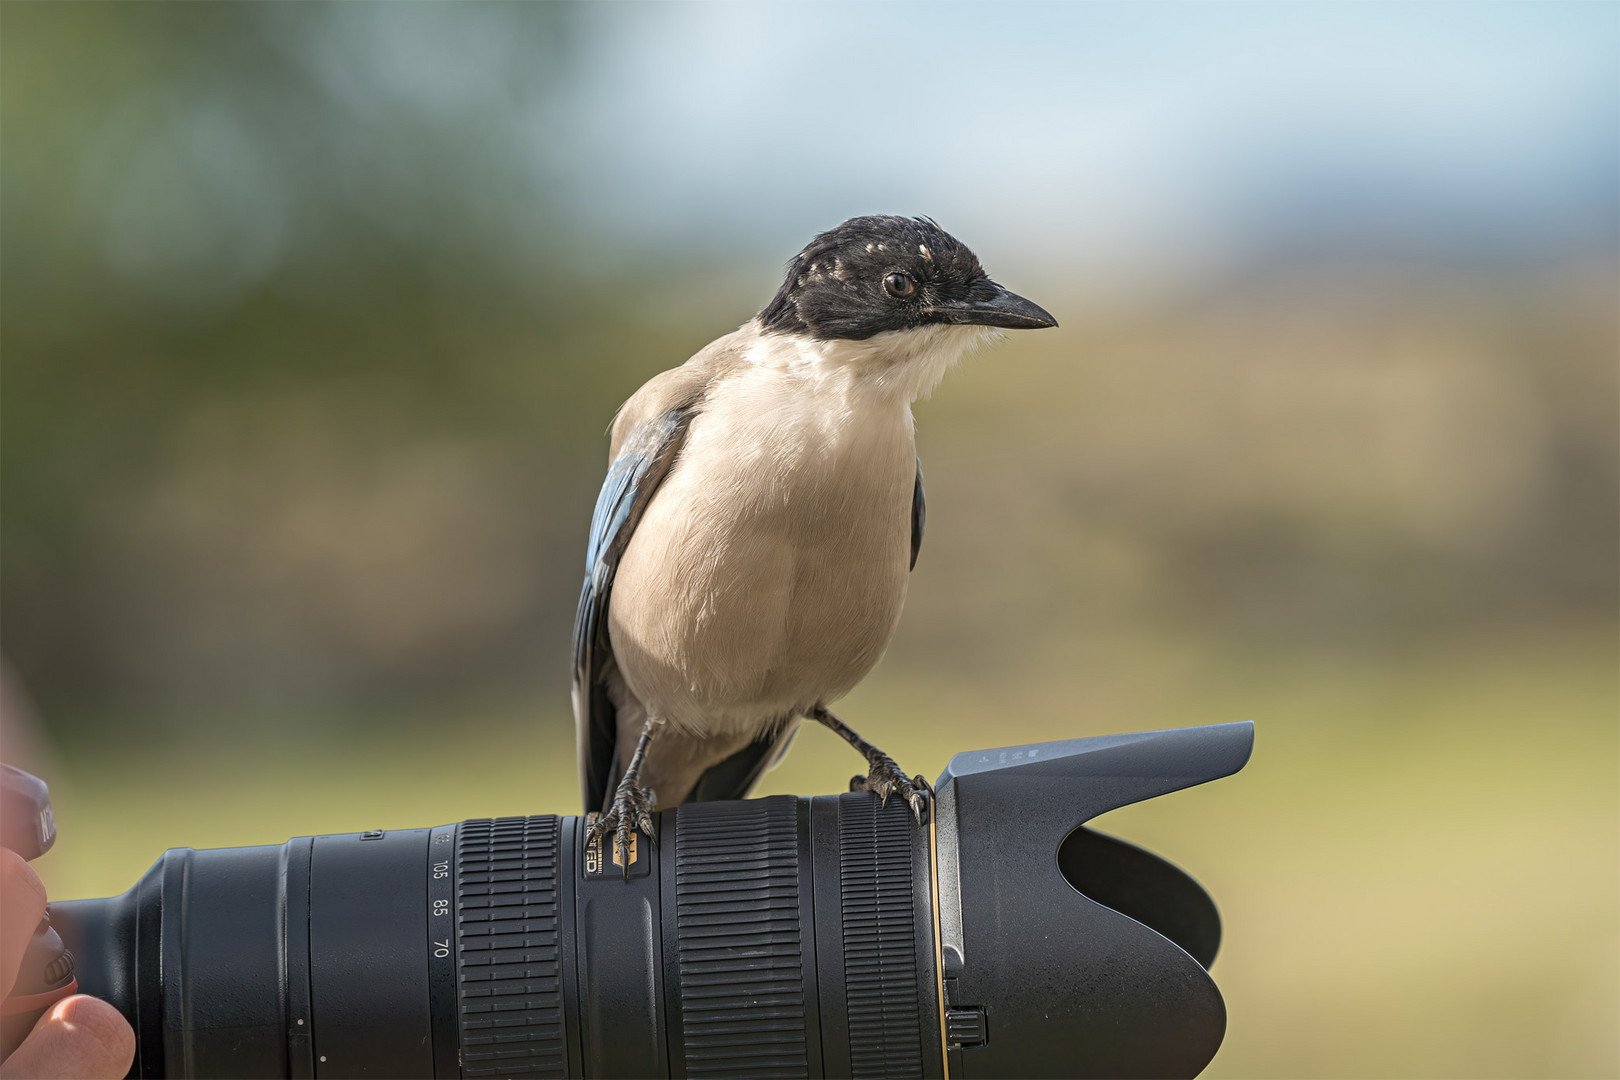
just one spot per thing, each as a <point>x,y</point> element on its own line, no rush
<point>314,317</point>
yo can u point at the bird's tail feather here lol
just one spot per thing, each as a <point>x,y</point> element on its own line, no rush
<point>736,776</point>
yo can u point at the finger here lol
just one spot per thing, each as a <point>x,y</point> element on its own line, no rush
<point>78,1038</point>
<point>22,905</point>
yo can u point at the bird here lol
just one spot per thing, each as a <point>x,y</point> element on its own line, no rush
<point>751,545</point>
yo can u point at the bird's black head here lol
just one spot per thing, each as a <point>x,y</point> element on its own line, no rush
<point>878,273</point>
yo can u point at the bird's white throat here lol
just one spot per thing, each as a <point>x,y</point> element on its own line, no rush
<point>902,365</point>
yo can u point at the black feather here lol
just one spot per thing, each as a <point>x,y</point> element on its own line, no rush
<point>736,776</point>
<point>834,287</point>
<point>919,516</point>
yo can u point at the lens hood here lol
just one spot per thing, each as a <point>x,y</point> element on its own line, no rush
<point>1066,952</point>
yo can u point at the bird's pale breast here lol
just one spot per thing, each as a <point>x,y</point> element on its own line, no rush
<point>769,571</point>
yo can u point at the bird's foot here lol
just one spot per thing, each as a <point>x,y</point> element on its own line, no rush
<point>632,809</point>
<point>886,778</point>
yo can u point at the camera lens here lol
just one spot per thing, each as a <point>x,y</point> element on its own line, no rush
<point>775,937</point>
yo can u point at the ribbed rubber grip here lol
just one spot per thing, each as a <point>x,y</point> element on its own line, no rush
<point>880,949</point>
<point>506,925</point>
<point>739,939</point>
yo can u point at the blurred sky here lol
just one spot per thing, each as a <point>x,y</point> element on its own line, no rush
<point>1103,137</point>
<point>1118,143</point>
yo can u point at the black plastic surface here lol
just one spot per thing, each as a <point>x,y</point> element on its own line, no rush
<point>510,964</point>
<point>740,940</point>
<point>1143,886</point>
<point>367,948</point>
<point>1069,986</point>
<point>883,975</point>
<point>619,956</point>
<point>295,919</point>
<point>216,1022</point>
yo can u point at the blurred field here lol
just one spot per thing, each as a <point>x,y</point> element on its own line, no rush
<point>1417,870</point>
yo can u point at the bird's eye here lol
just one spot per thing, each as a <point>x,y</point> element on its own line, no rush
<point>900,285</point>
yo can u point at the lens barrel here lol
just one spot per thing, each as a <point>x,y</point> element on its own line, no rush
<point>772,937</point>
<point>775,937</point>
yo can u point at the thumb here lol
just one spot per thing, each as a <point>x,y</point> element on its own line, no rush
<point>78,1038</point>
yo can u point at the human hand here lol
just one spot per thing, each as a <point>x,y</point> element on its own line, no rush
<point>79,1037</point>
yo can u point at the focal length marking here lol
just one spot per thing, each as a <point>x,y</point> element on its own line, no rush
<point>441,950</point>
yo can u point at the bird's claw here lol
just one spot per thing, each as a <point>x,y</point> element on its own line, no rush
<point>886,778</point>
<point>631,809</point>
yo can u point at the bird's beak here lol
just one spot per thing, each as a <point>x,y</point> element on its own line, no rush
<point>993,306</point>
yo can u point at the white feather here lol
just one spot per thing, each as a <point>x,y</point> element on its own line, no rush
<point>897,365</point>
<point>771,566</point>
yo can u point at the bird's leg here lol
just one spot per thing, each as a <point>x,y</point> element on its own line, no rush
<point>884,777</point>
<point>632,804</point>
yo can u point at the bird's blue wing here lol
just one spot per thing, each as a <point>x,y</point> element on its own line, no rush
<point>635,474</point>
<point>919,515</point>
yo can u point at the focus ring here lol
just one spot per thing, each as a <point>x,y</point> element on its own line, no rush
<point>739,939</point>
<point>506,924</point>
<point>880,947</point>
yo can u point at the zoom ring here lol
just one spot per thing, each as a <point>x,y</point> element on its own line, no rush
<point>880,946</point>
<point>739,939</point>
<point>511,1017</point>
